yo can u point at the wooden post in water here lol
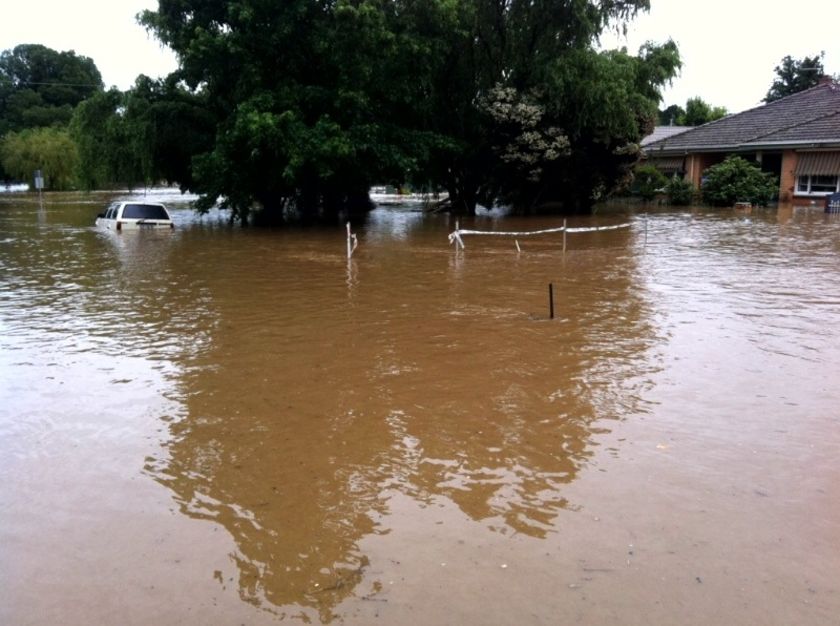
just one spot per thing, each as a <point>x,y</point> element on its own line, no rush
<point>349,242</point>
<point>564,236</point>
<point>551,301</point>
<point>459,243</point>
<point>352,242</point>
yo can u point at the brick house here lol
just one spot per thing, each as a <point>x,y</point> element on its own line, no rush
<point>797,139</point>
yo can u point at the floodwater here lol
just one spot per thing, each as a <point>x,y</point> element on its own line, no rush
<point>219,425</point>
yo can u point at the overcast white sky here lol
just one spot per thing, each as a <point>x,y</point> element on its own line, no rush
<point>104,30</point>
<point>729,47</point>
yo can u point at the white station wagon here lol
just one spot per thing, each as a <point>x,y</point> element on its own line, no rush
<point>135,215</point>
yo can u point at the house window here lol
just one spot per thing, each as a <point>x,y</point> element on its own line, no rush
<point>817,185</point>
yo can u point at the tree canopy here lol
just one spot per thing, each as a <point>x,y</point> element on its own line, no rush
<point>696,112</point>
<point>48,149</point>
<point>312,101</point>
<point>143,136</point>
<point>39,90</point>
<point>794,75</point>
<point>41,87</point>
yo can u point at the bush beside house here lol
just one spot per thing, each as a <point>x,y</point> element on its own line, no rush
<point>737,180</point>
<point>680,192</point>
<point>647,182</point>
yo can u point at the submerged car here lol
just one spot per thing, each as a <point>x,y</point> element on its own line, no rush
<point>135,215</point>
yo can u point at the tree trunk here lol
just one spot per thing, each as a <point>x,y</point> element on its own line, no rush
<point>463,194</point>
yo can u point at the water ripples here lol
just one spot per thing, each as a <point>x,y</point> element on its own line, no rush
<point>286,391</point>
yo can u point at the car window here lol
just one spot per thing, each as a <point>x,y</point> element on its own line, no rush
<point>144,212</point>
<point>109,214</point>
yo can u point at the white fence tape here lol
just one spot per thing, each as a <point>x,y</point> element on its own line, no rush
<point>456,235</point>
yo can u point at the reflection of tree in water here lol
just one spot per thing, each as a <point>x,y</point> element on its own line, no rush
<point>303,414</point>
<point>515,424</point>
<point>292,483</point>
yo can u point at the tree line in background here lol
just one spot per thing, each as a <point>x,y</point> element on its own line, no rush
<point>299,107</point>
<point>696,112</point>
<point>40,90</point>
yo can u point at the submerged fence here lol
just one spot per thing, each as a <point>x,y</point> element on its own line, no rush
<point>456,235</point>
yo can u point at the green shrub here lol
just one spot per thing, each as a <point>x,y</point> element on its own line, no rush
<point>648,181</point>
<point>680,191</point>
<point>737,180</point>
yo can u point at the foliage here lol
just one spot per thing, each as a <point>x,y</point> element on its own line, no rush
<point>696,112</point>
<point>605,102</point>
<point>648,181</point>
<point>680,191</point>
<point>737,180</point>
<point>524,144</point>
<point>105,154</point>
<point>311,102</point>
<point>673,115</point>
<point>49,149</point>
<point>538,54</point>
<point>41,87</point>
<point>794,75</point>
<point>145,135</point>
<point>308,101</point>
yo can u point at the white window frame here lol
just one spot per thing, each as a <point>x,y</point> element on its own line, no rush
<point>808,180</point>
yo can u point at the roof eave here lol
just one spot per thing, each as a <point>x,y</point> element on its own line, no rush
<point>766,145</point>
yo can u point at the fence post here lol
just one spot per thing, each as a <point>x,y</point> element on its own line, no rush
<point>349,242</point>
<point>550,301</point>
<point>352,242</point>
<point>564,235</point>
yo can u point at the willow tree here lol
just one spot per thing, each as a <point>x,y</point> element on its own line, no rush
<point>48,149</point>
<point>145,135</point>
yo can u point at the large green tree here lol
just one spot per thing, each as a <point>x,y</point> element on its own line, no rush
<point>602,103</point>
<point>309,98</point>
<point>521,80</point>
<point>794,75</point>
<point>314,100</point>
<point>41,87</point>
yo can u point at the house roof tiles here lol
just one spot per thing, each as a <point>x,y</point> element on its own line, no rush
<point>661,132</point>
<point>808,117</point>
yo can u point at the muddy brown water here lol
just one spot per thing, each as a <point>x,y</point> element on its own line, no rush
<point>219,425</point>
